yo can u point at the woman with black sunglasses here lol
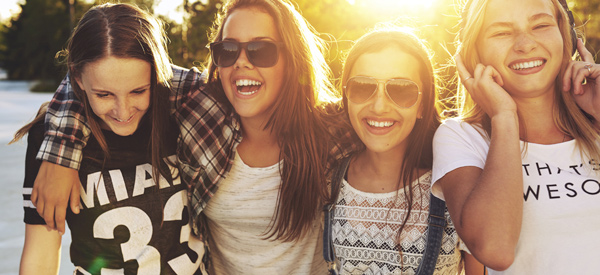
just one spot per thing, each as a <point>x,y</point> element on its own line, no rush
<point>381,194</point>
<point>255,156</point>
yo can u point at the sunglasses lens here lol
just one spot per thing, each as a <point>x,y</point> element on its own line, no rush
<point>225,54</point>
<point>359,89</point>
<point>262,53</point>
<point>403,92</point>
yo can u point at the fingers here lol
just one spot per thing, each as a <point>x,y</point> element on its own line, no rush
<point>463,73</point>
<point>48,215</point>
<point>74,198</point>
<point>586,55</point>
<point>59,218</point>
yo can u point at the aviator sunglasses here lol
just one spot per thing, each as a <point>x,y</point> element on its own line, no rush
<point>260,53</point>
<point>403,92</point>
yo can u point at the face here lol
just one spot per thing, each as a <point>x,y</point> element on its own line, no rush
<point>118,90</point>
<point>380,123</point>
<point>524,44</point>
<point>251,90</point>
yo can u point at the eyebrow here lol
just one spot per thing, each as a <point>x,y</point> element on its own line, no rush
<point>508,24</point>
<point>136,89</point>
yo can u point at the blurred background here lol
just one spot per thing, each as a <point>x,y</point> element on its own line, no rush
<point>33,31</point>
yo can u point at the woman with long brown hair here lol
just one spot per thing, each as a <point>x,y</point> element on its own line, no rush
<point>381,194</point>
<point>133,201</point>
<point>256,170</point>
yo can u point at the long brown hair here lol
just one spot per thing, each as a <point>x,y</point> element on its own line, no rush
<point>124,31</point>
<point>418,154</point>
<point>568,117</point>
<point>297,116</point>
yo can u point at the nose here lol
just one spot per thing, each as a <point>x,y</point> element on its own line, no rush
<point>121,109</point>
<point>242,61</point>
<point>524,42</point>
<point>380,101</point>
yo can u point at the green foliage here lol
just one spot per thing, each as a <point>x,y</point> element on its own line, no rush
<point>32,38</point>
<point>30,41</point>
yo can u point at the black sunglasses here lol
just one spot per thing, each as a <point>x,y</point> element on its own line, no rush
<point>260,53</point>
<point>403,92</point>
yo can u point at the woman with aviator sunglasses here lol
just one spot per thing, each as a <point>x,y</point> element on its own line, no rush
<point>381,198</point>
<point>256,161</point>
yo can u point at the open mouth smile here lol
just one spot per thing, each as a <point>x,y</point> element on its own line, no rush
<point>247,86</point>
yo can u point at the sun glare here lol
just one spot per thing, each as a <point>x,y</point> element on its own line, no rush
<point>393,4</point>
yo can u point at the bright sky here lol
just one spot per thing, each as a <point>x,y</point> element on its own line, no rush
<point>8,7</point>
<point>172,8</point>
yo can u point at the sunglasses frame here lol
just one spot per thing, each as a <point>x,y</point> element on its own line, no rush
<point>244,46</point>
<point>384,82</point>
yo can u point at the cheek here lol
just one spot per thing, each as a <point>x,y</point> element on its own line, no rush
<point>98,107</point>
<point>353,112</point>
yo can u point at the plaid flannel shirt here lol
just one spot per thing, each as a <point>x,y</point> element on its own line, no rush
<point>209,135</point>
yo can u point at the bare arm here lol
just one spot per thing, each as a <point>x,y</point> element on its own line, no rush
<point>41,252</point>
<point>486,204</point>
<point>472,266</point>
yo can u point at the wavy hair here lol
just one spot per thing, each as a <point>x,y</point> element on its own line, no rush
<point>297,117</point>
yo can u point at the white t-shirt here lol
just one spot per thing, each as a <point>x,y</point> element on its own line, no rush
<point>560,233</point>
<point>238,220</point>
<point>365,232</point>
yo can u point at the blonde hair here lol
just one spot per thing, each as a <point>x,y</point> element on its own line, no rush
<point>568,117</point>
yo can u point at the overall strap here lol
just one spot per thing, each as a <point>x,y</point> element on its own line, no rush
<point>336,182</point>
<point>437,224</point>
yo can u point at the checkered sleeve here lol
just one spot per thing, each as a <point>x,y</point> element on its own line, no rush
<point>66,128</point>
<point>208,137</point>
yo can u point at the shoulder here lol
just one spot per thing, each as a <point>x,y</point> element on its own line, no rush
<point>35,135</point>
<point>459,128</point>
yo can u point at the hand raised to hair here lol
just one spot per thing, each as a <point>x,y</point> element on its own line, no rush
<point>485,88</point>
<point>55,186</point>
<point>587,96</point>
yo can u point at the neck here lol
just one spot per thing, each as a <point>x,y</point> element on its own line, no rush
<point>376,172</point>
<point>537,119</point>
<point>259,147</point>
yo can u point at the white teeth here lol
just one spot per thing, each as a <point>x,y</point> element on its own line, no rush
<point>119,120</point>
<point>247,82</point>
<point>380,124</point>
<point>527,65</point>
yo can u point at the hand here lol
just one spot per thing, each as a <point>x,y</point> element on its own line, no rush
<point>485,88</point>
<point>52,188</point>
<point>587,96</point>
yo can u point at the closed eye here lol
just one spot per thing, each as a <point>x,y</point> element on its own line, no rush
<point>139,92</point>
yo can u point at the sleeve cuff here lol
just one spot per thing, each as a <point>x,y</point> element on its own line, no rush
<point>60,151</point>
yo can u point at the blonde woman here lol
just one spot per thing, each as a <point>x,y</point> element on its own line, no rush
<point>518,168</point>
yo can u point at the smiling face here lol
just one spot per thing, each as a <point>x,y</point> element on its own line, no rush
<point>524,44</point>
<point>118,90</point>
<point>379,122</point>
<point>251,90</point>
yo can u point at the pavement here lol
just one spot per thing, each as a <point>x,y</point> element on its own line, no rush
<point>17,107</point>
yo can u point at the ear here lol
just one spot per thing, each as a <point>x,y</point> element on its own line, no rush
<point>420,111</point>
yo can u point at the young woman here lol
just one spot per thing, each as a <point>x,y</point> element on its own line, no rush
<point>133,211</point>
<point>257,170</point>
<point>380,221</point>
<point>518,168</point>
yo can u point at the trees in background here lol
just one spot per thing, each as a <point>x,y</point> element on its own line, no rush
<point>29,42</point>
